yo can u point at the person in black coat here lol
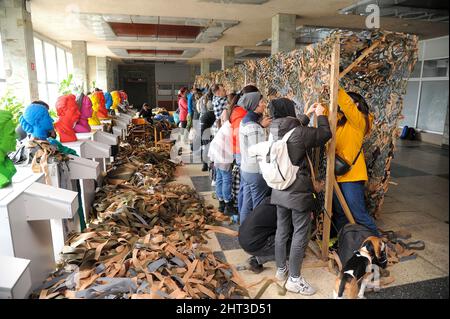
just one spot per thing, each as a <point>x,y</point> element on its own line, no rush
<point>257,235</point>
<point>294,204</point>
<point>146,112</point>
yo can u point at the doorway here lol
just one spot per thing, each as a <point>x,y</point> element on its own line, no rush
<point>137,91</point>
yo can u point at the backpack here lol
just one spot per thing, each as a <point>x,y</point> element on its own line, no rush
<point>404,134</point>
<point>275,163</point>
<point>350,238</point>
<point>411,134</point>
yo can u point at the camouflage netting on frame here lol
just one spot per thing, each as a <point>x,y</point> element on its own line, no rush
<point>304,75</point>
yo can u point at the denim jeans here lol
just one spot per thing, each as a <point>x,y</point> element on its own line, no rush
<point>354,196</point>
<point>254,190</point>
<point>223,184</point>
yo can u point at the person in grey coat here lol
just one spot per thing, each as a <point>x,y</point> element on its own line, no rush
<point>294,204</point>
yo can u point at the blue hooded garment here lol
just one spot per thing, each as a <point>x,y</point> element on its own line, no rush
<point>108,100</point>
<point>190,101</point>
<point>36,121</point>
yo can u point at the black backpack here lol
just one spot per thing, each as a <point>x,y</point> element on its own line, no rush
<point>411,134</point>
<point>350,238</point>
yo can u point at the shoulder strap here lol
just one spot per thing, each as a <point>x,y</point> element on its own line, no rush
<point>313,175</point>
<point>288,135</point>
<point>354,161</point>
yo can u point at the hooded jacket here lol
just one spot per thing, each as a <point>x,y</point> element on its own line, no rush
<point>68,115</point>
<point>299,195</point>
<point>102,113</point>
<point>182,105</point>
<point>235,119</point>
<point>115,99</point>
<point>93,120</point>
<point>349,139</point>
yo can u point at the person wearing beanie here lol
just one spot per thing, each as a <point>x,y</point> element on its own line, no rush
<point>251,132</point>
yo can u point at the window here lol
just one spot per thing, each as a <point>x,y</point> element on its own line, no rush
<point>2,71</point>
<point>425,104</point>
<point>53,64</point>
<point>433,106</point>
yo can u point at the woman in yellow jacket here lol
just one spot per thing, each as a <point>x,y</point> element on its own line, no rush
<point>354,123</point>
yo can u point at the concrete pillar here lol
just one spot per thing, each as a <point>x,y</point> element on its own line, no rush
<point>112,75</point>
<point>204,66</point>
<point>102,73</point>
<point>18,50</point>
<point>283,32</point>
<point>228,57</point>
<point>80,64</point>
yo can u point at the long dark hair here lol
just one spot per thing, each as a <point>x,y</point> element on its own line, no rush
<point>247,89</point>
<point>362,107</point>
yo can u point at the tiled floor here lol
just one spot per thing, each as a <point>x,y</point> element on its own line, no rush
<point>417,201</point>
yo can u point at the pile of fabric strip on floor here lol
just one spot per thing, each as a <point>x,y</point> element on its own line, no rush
<point>146,240</point>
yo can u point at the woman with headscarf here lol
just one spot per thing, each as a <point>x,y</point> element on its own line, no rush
<point>254,187</point>
<point>294,204</point>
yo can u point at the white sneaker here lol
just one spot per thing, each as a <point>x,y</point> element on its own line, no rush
<point>300,285</point>
<point>281,274</point>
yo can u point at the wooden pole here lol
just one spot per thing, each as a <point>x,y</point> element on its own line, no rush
<point>365,53</point>
<point>332,118</point>
<point>343,203</point>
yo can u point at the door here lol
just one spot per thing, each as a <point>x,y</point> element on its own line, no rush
<point>137,91</point>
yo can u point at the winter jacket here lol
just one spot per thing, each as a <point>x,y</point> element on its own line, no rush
<point>108,100</point>
<point>250,133</point>
<point>86,112</point>
<point>36,121</point>
<point>190,103</point>
<point>299,195</point>
<point>235,119</point>
<point>349,139</point>
<point>183,107</point>
<point>220,150</point>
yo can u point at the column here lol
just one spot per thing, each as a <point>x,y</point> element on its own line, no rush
<point>102,73</point>
<point>445,136</point>
<point>283,32</point>
<point>18,50</point>
<point>204,66</point>
<point>80,64</point>
<point>228,57</point>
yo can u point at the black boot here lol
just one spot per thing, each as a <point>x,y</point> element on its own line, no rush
<point>254,266</point>
<point>229,209</point>
<point>221,206</point>
<point>205,167</point>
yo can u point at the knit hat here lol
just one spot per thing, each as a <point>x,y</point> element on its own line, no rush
<point>250,101</point>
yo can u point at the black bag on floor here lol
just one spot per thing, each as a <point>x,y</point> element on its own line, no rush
<point>350,238</point>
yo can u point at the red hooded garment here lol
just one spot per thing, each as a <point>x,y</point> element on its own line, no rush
<point>235,120</point>
<point>68,115</point>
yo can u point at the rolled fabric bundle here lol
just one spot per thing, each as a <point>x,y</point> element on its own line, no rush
<point>68,115</point>
<point>86,112</point>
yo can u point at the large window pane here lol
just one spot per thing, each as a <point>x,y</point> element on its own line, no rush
<point>39,55</point>
<point>50,62</point>
<point>433,105</point>
<point>69,62</point>
<point>410,104</point>
<point>435,68</point>
<point>42,90</point>
<point>52,95</point>
<point>62,68</point>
